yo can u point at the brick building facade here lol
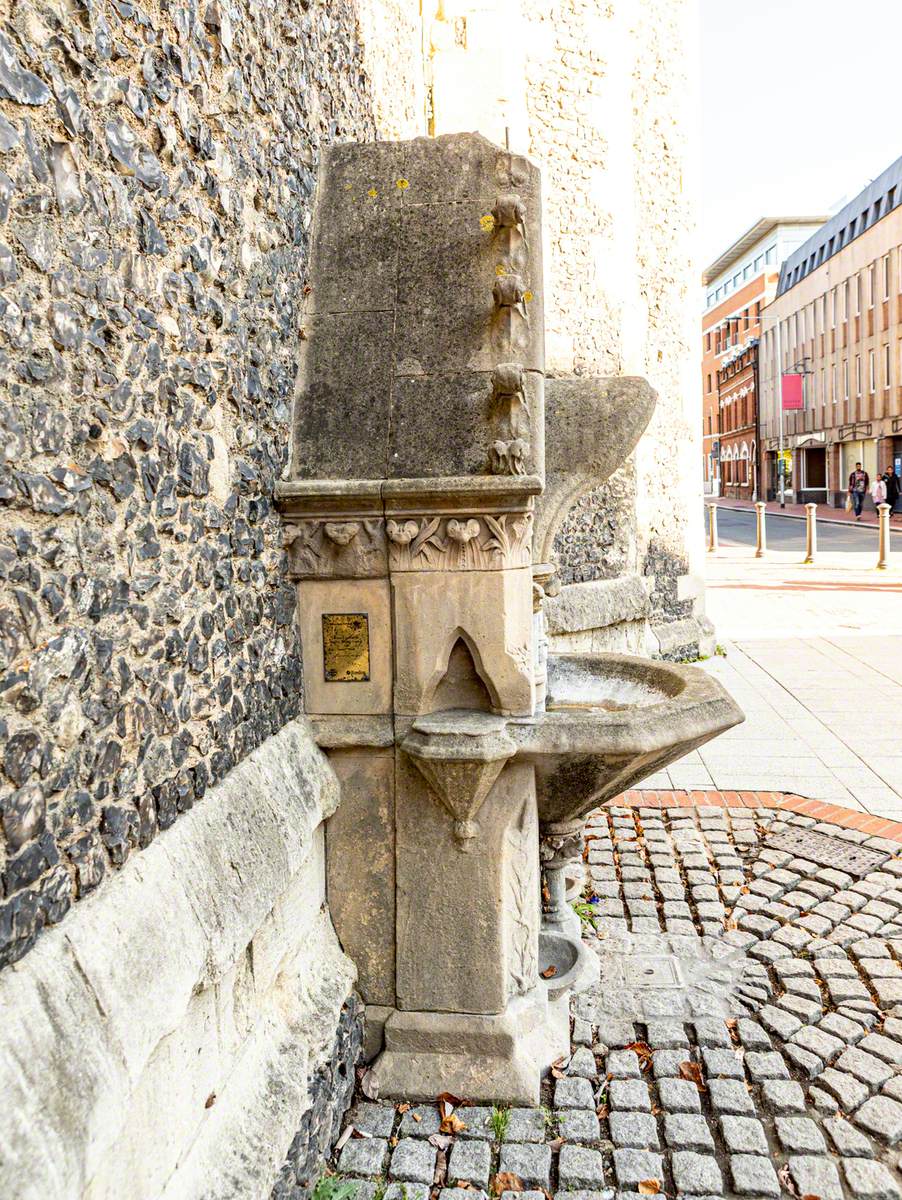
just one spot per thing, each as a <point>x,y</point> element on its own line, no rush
<point>737,388</point>
<point>738,285</point>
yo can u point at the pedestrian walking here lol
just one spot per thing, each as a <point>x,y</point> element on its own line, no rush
<point>878,491</point>
<point>891,479</point>
<point>859,482</point>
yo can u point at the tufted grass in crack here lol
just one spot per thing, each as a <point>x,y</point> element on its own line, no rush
<point>333,1187</point>
<point>499,1121</point>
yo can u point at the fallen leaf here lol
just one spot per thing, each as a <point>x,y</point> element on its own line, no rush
<point>369,1085</point>
<point>416,1117</point>
<point>393,1141</point>
<point>649,1187</point>
<point>601,1112</point>
<point>402,1108</point>
<point>449,1098</point>
<point>808,1196</point>
<point>440,1140</point>
<point>556,1143</point>
<point>644,1053</point>
<point>210,1100</point>
<point>349,1129</point>
<point>693,1072</point>
<point>549,972</point>
<point>451,1124</point>
<point>506,1181</point>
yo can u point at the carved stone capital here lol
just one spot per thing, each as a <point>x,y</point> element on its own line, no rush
<point>482,542</point>
<point>336,549</point>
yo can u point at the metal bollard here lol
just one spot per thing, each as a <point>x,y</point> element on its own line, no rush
<point>883,511</point>
<point>760,531</point>
<point>712,528</point>
<point>810,532</point>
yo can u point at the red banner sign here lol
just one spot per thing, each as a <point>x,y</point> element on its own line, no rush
<point>793,394</point>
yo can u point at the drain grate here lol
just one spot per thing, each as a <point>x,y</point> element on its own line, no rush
<point>828,851</point>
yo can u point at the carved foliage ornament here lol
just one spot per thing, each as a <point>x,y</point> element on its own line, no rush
<point>460,543</point>
<point>318,548</point>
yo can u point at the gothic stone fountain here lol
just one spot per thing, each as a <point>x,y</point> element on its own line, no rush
<point>421,510</point>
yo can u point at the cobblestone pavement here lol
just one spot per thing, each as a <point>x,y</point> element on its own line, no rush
<point>753,1047</point>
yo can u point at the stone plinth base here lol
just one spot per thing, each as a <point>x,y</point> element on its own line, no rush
<point>498,1059</point>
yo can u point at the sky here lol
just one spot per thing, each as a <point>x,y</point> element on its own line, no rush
<point>801,106</point>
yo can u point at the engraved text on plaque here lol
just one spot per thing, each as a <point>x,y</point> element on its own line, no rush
<point>346,647</point>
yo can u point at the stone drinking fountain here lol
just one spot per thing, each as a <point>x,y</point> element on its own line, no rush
<point>421,509</point>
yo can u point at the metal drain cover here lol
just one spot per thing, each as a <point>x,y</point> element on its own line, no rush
<point>828,851</point>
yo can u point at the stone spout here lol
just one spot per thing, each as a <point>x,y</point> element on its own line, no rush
<point>591,426</point>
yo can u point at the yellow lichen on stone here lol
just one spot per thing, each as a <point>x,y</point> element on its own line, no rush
<point>403,184</point>
<point>487,223</point>
<point>372,193</point>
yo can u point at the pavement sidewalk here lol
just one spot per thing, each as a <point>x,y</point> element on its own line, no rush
<point>814,658</point>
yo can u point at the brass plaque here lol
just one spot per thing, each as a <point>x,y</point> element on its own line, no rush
<point>346,647</point>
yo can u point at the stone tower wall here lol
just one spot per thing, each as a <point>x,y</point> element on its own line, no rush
<point>158,165</point>
<point>600,94</point>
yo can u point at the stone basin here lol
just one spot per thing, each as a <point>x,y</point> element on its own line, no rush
<point>565,962</point>
<point>611,721</point>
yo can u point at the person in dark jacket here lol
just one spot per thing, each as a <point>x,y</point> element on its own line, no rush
<point>891,479</point>
<point>859,482</point>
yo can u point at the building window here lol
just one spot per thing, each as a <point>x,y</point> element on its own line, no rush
<point>872,373</point>
<point>708,342</point>
<point>858,295</point>
<point>709,383</point>
<point>745,319</point>
<point>858,375</point>
<point>834,395</point>
<point>886,277</point>
<point>872,285</point>
<point>846,294</point>
<point>887,366</point>
<point>833,309</point>
<point>845,378</point>
<point>759,262</point>
<point>771,254</point>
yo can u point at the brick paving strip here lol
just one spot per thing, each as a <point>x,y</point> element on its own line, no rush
<point>745,1040</point>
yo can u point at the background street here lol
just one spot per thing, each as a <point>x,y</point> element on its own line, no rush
<point>814,657</point>
<point>737,527</point>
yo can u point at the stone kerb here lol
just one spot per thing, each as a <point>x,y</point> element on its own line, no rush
<point>176,1018</point>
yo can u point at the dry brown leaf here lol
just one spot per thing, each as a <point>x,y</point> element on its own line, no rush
<point>549,972</point>
<point>644,1053</point>
<point>506,1181</point>
<point>393,1141</point>
<point>556,1143</point>
<point>449,1098</point>
<point>809,1196</point>
<point>649,1187</point>
<point>451,1124</point>
<point>601,1112</point>
<point>416,1117</point>
<point>402,1108</point>
<point>210,1100</point>
<point>440,1140</point>
<point>693,1072</point>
